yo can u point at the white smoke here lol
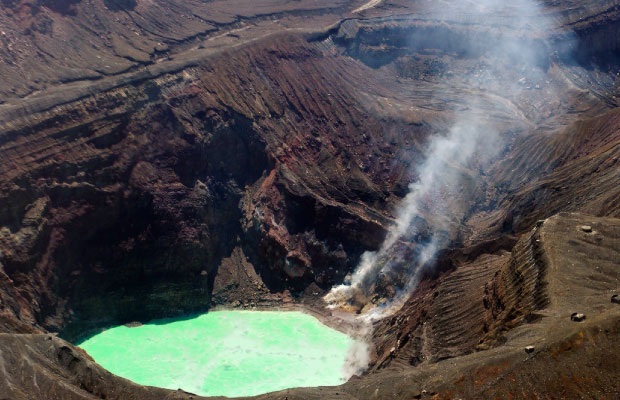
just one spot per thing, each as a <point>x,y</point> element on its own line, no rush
<point>357,359</point>
<point>437,172</point>
<point>510,57</point>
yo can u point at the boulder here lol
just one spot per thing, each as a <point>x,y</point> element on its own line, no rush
<point>577,317</point>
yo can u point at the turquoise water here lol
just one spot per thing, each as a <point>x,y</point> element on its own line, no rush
<point>225,353</point>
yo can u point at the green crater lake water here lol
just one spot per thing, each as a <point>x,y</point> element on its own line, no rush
<point>225,353</point>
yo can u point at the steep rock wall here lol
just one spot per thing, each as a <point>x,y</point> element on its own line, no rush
<point>123,205</point>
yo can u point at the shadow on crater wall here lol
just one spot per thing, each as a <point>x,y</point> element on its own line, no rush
<point>120,5</point>
<point>64,7</point>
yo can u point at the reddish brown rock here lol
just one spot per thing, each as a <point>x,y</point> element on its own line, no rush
<point>234,162</point>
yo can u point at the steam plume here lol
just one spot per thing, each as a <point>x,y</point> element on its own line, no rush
<point>508,61</point>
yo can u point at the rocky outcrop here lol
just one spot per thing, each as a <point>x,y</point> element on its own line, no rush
<point>518,290</point>
<point>445,317</point>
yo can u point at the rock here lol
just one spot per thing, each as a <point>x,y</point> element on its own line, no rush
<point>203,273</point>
<point>236,303</point>
<point>529,349</point>
<point>615,298</point>
<point>577,317</point>
<point>586,228</point>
